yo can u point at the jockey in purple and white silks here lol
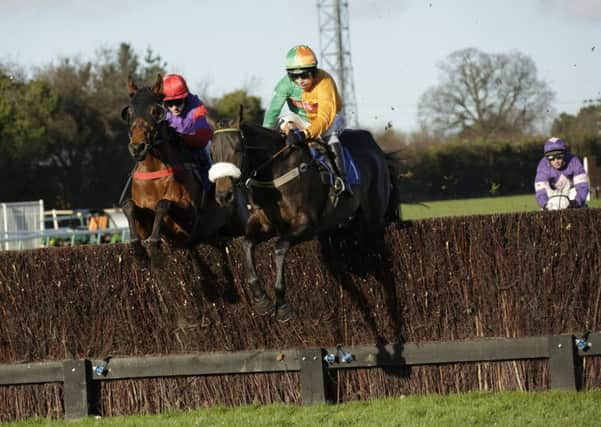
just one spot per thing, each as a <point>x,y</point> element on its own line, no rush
<point>561,180</point>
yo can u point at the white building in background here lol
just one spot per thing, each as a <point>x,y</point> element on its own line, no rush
<point>25,225</point>
<point>22,225</point>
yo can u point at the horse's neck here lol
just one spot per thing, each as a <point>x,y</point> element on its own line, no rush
<point>284,162</point>
<point>256,163</point>
<point>263,138</point>
<point>260,151</point>
<point>290,159</point>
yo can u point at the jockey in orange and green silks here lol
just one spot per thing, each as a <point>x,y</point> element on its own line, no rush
<point>315,105</point>
<point>286,91</point>
<point>318,104</point>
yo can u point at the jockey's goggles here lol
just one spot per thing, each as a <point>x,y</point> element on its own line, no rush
<point>555,157</point>
<point>175,102</point>
<point>303,75</point>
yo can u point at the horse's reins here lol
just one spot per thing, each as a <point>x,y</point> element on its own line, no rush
<point>276,182</point>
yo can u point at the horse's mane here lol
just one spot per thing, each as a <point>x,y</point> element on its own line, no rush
<point>144,95</point>
<point>262,134</point>
<point>268,132</point>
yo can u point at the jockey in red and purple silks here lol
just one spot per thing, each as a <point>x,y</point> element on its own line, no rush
<point>186,113</point>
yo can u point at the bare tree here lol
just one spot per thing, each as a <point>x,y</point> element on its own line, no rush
<point>486,95</point>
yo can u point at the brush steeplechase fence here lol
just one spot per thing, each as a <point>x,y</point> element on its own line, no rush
<point>485,303</point>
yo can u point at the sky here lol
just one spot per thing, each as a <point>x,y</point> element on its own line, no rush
<point>395,45</point>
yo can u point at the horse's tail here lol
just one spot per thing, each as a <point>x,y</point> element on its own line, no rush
<point>393,211</point>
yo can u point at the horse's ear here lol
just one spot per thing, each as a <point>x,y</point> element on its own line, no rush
<point>131,86</point>
<point>157,89</point>
<point>125,113</point>
<point>240,114</point>
<point>212,123</point>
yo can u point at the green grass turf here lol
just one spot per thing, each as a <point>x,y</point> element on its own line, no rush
<point>545,409</point>
<point>479,206</point>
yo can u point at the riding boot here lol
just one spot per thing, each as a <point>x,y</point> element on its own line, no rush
<point>341,185</point>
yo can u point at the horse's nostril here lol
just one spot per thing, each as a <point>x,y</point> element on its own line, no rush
<point>224,198</point>
<point>137,150</point>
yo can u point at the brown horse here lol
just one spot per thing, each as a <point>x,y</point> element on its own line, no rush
<point>168,199</point>
<point>289,196</point>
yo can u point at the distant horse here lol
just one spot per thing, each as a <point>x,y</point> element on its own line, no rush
<point>168,199</point>
<point>288,194</point>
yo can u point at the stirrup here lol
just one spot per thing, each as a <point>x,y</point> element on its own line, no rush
<point>339,186</point>
<point>342,188</point>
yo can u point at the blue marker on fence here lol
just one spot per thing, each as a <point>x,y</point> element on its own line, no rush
<point>345,356</point>
<point>330,358</point>
<point>102,369</point>
<point>581,344</point>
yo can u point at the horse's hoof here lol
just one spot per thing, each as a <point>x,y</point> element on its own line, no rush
<point>262,305</point>
<point>284,313</point>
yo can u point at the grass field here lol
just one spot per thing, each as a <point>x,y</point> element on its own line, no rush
<point>480,206</point>
<point>545,409</point>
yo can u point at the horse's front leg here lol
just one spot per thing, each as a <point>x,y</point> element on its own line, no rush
<point>298,229</point>
<point>283,310</point>
<point>196,230</point>
<point>130,210</point>
<point>262,304</point>
<point>161,210</point>
<point>254,234</point>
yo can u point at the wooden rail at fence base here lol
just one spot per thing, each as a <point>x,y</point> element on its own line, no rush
<point>78,376</point>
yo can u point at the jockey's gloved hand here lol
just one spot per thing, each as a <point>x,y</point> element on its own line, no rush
<point>295,137</point>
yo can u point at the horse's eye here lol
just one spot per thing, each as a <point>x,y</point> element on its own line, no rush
<point>157,112</point>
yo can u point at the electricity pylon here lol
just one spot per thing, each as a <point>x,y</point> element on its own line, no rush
<point>335,52</point>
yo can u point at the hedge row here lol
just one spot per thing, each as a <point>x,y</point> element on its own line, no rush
<point>474,168</point>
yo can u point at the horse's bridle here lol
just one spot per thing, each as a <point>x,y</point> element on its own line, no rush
<point>152,138</point>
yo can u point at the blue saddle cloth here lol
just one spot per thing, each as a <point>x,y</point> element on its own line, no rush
<point>352,173</point>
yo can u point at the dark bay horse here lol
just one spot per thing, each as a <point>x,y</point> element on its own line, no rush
<point>167,199</point>
<point>288,195</point>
